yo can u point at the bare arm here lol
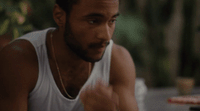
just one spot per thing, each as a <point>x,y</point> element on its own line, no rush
<point>18,69</point>
<point>122,77</point>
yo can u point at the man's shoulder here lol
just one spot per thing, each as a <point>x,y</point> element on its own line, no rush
<point>18,52</point>
<point>18,48</point>
<point>18,66</point>
<point>119,52</point>
<point>122,65</point>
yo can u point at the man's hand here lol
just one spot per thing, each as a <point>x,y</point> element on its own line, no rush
<point>100,98</point>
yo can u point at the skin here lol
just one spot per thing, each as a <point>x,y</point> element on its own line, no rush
<point>19,65</point>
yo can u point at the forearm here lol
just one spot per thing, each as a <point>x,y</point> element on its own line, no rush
<point>127,101</point>
<point>128,104</point>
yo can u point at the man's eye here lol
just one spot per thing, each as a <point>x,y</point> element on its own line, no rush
<point>113,21</point>
<point>93,21</point>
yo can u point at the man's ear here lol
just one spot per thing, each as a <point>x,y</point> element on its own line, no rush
<point>59,16</point>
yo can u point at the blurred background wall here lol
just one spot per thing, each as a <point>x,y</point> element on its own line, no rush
<point>163,36</point>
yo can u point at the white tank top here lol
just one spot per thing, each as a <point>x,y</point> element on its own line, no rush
<point>46,96</point>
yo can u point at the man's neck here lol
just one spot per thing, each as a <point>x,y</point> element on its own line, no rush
<point>61,51</point>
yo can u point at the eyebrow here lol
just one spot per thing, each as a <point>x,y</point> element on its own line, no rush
<point>116,15</point>
<point>100,15</point>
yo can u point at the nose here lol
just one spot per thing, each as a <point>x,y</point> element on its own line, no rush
<point>104,33</point>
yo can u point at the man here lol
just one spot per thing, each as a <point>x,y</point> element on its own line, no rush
<point>75,67</point>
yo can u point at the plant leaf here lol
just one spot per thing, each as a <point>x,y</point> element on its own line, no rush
<point>4,27</point>
<point>15,33</point>
<point>23,6</point>
<point>2,6</point>
<point>16,16</point>
<point>27,27</point>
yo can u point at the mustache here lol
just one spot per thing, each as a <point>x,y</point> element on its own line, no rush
<point>99,45</point>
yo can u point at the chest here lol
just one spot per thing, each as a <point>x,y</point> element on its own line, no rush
<point>74,81</point>
<point>70,81</point>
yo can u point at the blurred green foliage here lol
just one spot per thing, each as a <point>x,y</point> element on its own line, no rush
<point>189,62</point>
<point>22,16</point>
<point>14,17</point>
<point>157,17</point>
<point>131,27</point>
<point>130,32</point>
<point>143,36</point>
<point>42,16</point>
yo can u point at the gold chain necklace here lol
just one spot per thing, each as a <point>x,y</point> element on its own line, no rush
<point>60,77</point>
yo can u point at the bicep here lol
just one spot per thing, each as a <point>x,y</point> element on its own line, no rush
<point>13,96</point>
<point>123,78</point>
<point>15,79</point>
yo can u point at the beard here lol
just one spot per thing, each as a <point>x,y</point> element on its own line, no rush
<point>75,46</point>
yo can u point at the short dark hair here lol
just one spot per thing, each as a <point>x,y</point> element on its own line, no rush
<point>66,5</point>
